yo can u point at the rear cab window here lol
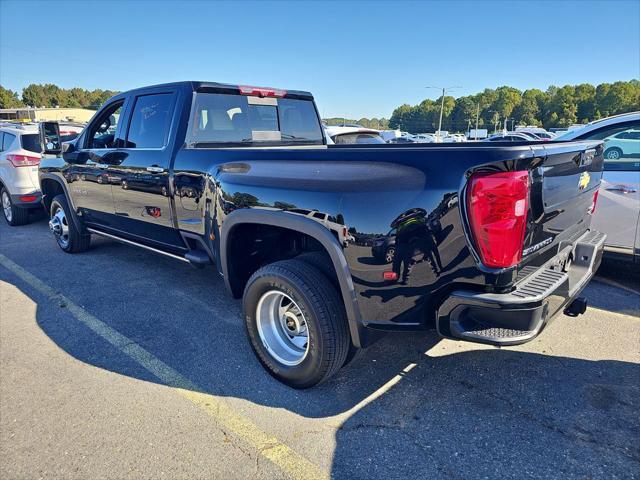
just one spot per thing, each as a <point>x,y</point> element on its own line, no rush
<point>223,119</point>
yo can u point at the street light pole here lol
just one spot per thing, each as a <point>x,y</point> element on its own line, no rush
<point>444,91</point>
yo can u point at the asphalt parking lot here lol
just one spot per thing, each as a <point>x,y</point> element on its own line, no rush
<point>119,363</point>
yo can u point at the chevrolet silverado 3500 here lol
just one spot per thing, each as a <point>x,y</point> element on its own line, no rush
<point>491,239</point>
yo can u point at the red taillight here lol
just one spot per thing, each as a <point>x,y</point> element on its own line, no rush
<point>390,276</point>
<point>592,208</point>
<point>262,91</point>
<point>23,160</point>
<point>28,198</point>
<point>497,205</point>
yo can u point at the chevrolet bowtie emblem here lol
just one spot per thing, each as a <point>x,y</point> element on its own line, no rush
<point>585,178</point>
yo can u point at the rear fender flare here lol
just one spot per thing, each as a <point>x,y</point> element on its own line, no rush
<point>314,230</point>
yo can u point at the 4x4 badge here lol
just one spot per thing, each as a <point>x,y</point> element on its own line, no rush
<point>585,178</point>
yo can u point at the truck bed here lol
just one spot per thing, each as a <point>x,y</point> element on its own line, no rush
<point>367,187</point>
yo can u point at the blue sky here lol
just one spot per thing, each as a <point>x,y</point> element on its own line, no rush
<point>359,59</point>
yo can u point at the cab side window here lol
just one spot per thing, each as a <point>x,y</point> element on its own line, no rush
<point>102,132</point>
<point>150,121</point>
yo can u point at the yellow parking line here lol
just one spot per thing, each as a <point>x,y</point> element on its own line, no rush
<point>267,446</point>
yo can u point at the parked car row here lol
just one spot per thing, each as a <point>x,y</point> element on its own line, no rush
<point>522,134</point>
<point>443,137</point>
<point>355,134</point>
<point>512,137</point>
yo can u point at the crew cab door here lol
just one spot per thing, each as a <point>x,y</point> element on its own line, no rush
<point>88,178</point>
<point>142,198</point>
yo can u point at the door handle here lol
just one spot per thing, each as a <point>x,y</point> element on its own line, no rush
<point>155,169</point>
<point>101,165</point>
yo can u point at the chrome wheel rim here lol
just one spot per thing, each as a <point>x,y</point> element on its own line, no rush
<point>613,155</point>
<point>6,206</point>
<point>282,328</point>
<point>389,255</point>
<point>59,226</point>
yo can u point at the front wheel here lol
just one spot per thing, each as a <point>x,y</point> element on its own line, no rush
<point>296,323</point>
<point>67,235</point>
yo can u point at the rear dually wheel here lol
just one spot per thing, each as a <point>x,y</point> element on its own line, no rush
<point>296,323</point>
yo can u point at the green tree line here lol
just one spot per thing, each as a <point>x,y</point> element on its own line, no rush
<point>49,95</point>
<point>555,107</point>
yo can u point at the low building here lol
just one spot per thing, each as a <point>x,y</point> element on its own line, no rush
<point>29,114</point>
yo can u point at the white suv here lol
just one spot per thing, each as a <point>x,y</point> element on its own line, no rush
<point>623,144</point>
<point>19,160</point>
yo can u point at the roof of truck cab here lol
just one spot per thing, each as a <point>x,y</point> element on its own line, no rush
<point>200,85</point>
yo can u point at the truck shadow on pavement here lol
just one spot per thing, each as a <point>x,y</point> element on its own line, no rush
<point>409,407</point>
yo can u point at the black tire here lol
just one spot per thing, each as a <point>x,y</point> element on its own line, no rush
<point>322,262</point>
<point>15,216</point>
<point>318,300</point>
<point>76,241</point>
<point>613,153</point>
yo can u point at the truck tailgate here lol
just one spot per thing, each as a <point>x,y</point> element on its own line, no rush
<point>565,178</point>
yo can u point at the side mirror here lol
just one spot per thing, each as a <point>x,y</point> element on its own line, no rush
<point>50,142</point>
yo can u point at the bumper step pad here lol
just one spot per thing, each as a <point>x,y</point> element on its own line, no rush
<point>540,292</point>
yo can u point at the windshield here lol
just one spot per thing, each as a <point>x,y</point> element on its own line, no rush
<point>226,118</point>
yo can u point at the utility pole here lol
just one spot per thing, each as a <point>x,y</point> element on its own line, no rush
<point>477,120</point>
<point>444,91</point>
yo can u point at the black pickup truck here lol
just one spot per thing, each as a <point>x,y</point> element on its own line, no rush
<point>491,239</point>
